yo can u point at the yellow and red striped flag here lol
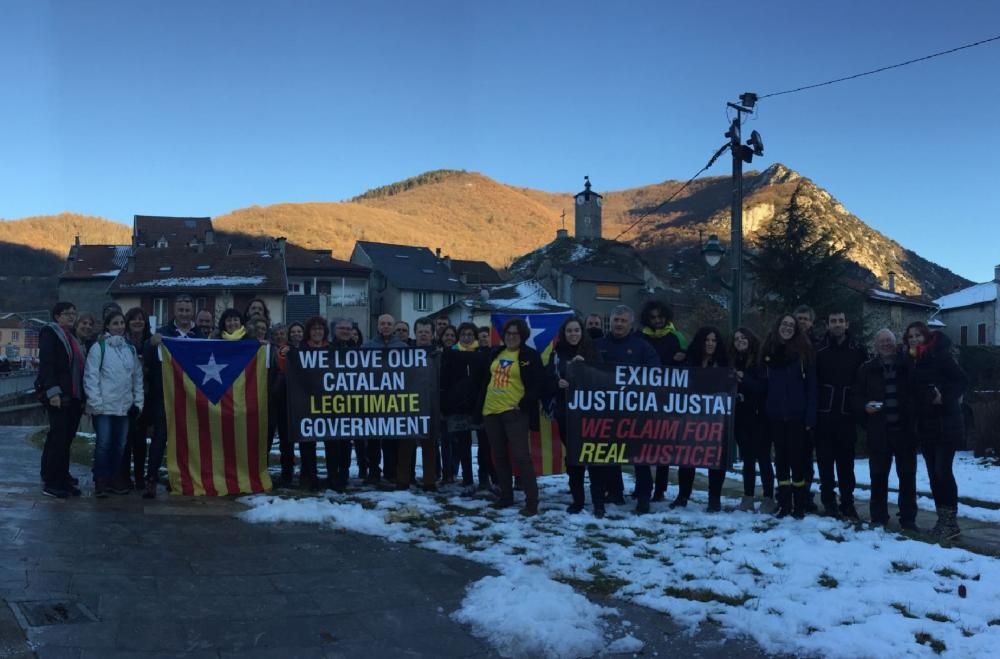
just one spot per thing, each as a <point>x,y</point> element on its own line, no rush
<point>215,396</point>
<point>547,452</point>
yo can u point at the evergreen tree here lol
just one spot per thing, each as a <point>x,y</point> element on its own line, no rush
<point>796,263</point>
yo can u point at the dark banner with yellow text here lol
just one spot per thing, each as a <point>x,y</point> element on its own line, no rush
<point>360,394</point>
<point>649,415</point>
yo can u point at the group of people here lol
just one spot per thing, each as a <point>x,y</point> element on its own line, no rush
<point>801,398</point>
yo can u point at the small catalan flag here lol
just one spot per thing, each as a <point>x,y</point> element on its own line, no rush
<point>215,395</point>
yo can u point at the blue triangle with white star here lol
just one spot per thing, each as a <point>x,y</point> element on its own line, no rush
<point>212,365</point>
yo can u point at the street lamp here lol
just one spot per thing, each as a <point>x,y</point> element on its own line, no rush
<point>713,251</point>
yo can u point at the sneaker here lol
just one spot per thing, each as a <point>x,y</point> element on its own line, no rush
<point>679,502</point>
<point>746,504</point>
<point>574,508</point>
<point>642,507</point>
<point>599,510</point>
<point>55,492</point>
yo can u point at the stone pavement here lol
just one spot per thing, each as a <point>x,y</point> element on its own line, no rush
<point>182,577</point>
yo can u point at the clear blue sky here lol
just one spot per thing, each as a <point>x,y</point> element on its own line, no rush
<point>194,107</point>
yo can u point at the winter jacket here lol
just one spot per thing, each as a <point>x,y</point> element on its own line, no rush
<point>789,387</point>
<point>935,367</point>
<point>460,373</point>
<point>869,385</point>
<point>57,372</point>
<point>533,377</point>
<point>749,401</point>
<point>113,377</point>
<point>377,343</point>
<point>666,343</point>
<point>558,369</point>
<point>836,369</point>
<point>151,360</point>
<point>630,349</point>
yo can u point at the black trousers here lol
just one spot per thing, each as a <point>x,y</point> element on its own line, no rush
<point>939,457</point>
<point>685,480</point>
<point>662,479</point>
<point>277,421</point>
<point>134,459</point>
<point>755,450</point>
<point>880,459</point>
<point>835,439</point>
<point>790,451</point>
<point>63,423</point>
<point>484,460</point>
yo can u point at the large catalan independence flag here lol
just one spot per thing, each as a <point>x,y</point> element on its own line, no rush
<point>215,395</point>
<point>546,448</point>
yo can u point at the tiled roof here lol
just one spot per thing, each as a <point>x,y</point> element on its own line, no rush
<point>211,267</point>
<point>299,260</point>
<point>95,261</point>
<point>411,268</point>
<point>477,273</point>
<point>178,231</point>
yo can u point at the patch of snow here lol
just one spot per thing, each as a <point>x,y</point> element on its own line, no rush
<point>579,253</point>
<point>817,587</point>
<point>976,294</point>
<point>109,273</point>
<point>526,613</point>
<point>217,280</point>
<point>525,296</point>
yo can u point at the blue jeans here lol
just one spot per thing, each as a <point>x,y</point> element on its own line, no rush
<point>112,433</point>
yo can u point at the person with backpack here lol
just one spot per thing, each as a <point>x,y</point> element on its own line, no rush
<point>112,381</point>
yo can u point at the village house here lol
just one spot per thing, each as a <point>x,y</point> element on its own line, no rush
<point>409,282</point>
<point>19,336</point>
<point>892,309</point>
<point>321,285</point>
<point>971,316</point>
<point>171,256</point>
<point>525,297</point>
<point>88,272</point>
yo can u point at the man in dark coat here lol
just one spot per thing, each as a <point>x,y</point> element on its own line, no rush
<point>882,398</point>
<point>623,346</point>
<point>837,362</point>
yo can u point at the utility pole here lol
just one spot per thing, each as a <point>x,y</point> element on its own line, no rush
<point>740,154</point>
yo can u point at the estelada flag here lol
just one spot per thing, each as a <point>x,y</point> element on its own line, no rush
<point>546,448</point>
<point>215,397</point>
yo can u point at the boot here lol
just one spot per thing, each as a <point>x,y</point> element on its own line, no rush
<point>530,509</point>
<point>746,504</point>
<point>800,496</point>
<point>599,511</point>
<point>947,524</point>
<point>714,505</point>
<point>679,502</point>
<point>784,501</point>
<point>768,506</point>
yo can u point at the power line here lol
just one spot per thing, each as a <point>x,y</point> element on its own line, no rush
<point>676,192</point>
<point>884,68</point>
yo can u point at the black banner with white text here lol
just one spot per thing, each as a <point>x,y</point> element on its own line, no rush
<point>360,394</point>
<point>649,415</point>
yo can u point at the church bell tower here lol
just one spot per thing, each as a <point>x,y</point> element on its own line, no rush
<point>588,212</point>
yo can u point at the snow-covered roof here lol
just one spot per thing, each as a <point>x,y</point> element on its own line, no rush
<point>976,294</point>
<point>892,297</point>
<point>188,282</point>
<point>934,322</point>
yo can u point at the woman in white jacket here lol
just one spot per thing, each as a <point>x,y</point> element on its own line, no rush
<point>112,381</point>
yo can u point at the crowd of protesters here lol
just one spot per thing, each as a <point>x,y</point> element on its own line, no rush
<point>800,399</point>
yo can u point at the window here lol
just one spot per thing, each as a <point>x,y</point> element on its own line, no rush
<point>421,301</point>
<point>981,330</point>
<point>160,306</point>
<point>14,336</point>
<point>963,336</point>
<point>295,287</point>
<point>451,298</point>
<point>609,292</point>
<point>200,304</point>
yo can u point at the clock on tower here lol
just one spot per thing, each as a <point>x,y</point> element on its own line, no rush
<point>588,212</point>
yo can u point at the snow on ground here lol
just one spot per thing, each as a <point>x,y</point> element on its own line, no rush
<point>817,587</point>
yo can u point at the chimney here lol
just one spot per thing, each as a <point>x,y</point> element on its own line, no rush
<point>130,264</point>
<point>437,252</point>
<point>892,281</point>
<point>561,233</point>
<point>996,273</point>
<point>77,240</point>
<point>209,237</point>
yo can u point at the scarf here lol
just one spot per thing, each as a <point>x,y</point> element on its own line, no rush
<point>241,333</point>
<point>461,348</point>
<point>666,329</point>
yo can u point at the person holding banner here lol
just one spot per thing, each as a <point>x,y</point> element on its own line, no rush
<point>338,454</point>
<point>459,367</point>
<point>509,397</point>
<point>623,346</point>
<point>384,338</point>
<point>751,437</point>
<point>317,334</point>
<point>707,350</point>
<point>788,375</point>
<point>573,344</point>
<point>277,415</point>
<point>423,331</point>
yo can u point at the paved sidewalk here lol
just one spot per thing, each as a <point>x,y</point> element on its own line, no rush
<point>123,577</point>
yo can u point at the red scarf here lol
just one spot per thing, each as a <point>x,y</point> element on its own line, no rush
<point>78,357</point>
